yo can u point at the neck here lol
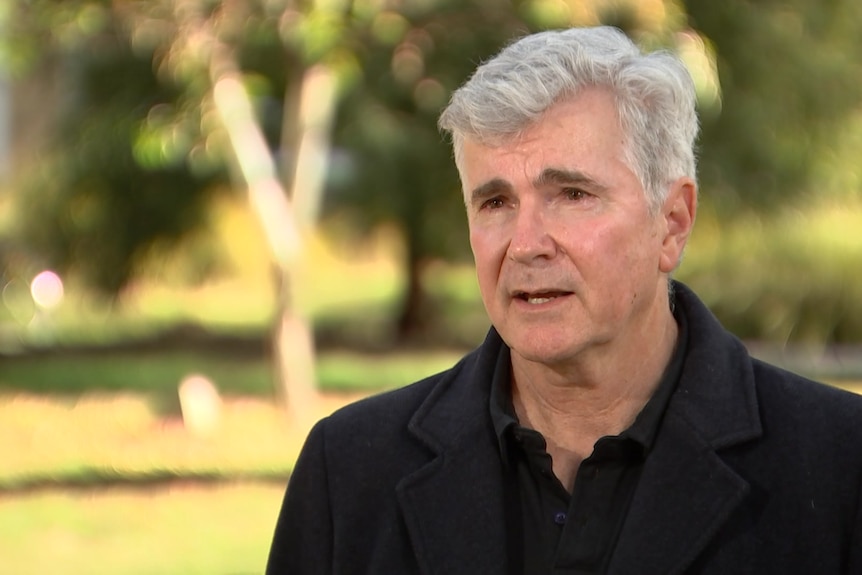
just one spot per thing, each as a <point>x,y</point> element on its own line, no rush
<point>574,405</point>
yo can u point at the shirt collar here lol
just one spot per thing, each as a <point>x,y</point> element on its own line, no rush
<point>646,425</point>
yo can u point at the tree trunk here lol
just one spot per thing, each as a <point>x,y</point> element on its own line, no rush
<point>413,320</point>
<point>268,198</point>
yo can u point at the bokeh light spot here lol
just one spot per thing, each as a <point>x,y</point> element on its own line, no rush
<point>47,289</point>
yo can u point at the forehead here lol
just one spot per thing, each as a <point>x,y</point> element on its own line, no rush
<point>581,132</point>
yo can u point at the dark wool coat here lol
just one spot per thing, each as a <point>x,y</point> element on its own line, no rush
<point>754,471</point>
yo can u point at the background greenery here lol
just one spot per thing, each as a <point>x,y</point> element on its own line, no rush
<point>137,153</point>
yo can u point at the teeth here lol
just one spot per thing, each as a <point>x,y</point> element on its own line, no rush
<point>538,300</point>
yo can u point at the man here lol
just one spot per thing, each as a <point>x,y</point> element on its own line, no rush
<point>608,423</point>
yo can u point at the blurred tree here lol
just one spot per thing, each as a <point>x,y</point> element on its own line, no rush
<point>124,170</point>
<point>789,74</point>
<point>119,176</point>
<point>160,114</point>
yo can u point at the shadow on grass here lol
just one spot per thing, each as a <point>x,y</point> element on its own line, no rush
<point>95,478</point>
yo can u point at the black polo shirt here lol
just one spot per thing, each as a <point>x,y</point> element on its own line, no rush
<point>550,530</point>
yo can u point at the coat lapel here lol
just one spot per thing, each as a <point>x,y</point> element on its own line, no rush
<point>685,495</point>
<point>687,492</point>
<point>454,506</point>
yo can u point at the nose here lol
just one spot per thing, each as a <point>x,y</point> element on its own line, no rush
<point>531,237</point>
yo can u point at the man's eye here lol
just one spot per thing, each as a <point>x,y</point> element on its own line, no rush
<point>575,193</point>
<point>493,203</point>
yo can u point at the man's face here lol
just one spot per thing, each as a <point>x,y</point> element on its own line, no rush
<point>568,257</point>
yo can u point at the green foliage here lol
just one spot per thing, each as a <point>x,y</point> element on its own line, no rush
<point>138,155</point>
<point>32,29</point>
<point>790,278</point>
<point>789,74</point>
<point>117,178</point>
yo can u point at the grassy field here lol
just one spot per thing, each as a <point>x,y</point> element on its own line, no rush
<point>158,374</point>
<point>106,419</point>
<point>98,473</point>
<point>110,483</point>
<point>183,529</point>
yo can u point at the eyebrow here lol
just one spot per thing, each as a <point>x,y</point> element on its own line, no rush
<point>548,177</point>
<point>488,190</point>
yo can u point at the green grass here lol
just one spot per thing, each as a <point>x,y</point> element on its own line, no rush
<point>179,529</point>
<point>156,373</point>
<point>123,438</point>
<point>91,420</point>
<point>348,371</point>
<point>160,373</point>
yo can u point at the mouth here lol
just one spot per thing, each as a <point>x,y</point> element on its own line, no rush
<point>540,297</point>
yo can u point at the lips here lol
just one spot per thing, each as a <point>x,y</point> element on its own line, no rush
<point>541,296</point>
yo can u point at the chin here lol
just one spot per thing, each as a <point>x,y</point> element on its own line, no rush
<point>543,357</point>
<point>547,350</point>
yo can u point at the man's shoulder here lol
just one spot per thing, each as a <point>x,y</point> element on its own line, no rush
<point>779,389</point>
<point>396,403</point>
<point>788,399</point>
<point>393,409</point>
<point>376,434</point>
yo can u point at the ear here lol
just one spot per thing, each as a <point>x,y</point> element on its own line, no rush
<point>678,212</point>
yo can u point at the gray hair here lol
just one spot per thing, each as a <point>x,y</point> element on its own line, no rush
<point>654,94</point>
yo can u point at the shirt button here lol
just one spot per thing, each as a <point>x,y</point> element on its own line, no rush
<point>560,518</point>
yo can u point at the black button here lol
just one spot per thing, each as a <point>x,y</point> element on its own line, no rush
<point>560,518</point>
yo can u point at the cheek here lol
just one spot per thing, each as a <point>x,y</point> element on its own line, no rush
<point>482,243</point>
<point>607,250</point>
<point>588,242</point>
<point>488,256</point>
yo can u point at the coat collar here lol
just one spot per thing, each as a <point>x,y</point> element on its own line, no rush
<point>454,505</point>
